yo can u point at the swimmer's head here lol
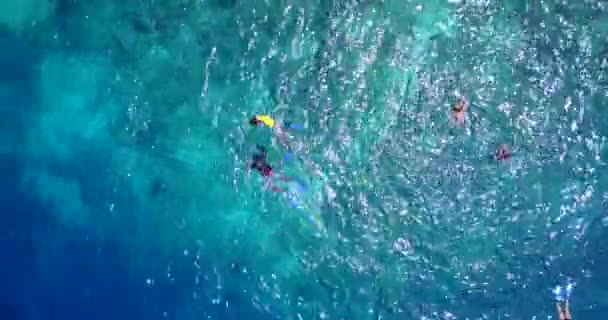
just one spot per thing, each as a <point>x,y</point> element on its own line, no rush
<point>459,106</point>
<point>254,121</point>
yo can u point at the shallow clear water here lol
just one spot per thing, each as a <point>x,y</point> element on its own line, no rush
<point>128,195</point>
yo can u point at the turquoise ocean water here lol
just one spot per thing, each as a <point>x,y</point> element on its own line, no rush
<point>125,148</point>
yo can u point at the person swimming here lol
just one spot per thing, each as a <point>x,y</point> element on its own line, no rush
<point>459,110</point>
<point>279,130</point>
<point>562,297</point>
<point>503,153</point>
<point>294,192</point>
<point>261,165</point>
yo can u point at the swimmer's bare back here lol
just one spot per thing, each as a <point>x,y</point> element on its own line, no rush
<point>281,135</point>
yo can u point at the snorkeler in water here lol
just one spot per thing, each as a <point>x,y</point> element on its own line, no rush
<point>503,153</point>
<point>562,297</point>
<point>278,129</point>
<point>459,110</point>
<point>260,164</point>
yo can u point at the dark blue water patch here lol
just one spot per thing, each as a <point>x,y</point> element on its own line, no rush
<point>53,271</point>
<point>18,219</point>
<point>32,287</point>
<point>18,61</point>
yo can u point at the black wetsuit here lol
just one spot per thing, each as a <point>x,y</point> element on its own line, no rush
<point>259,162</point>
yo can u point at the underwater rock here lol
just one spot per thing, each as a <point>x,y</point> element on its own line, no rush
<point>143,24</point>
<point>158,187</point>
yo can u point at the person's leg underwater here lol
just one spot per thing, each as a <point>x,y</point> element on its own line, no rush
<point>560,311</point>
<point>567,315</point>
<point>562,297</point>
<point>294,126</point>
